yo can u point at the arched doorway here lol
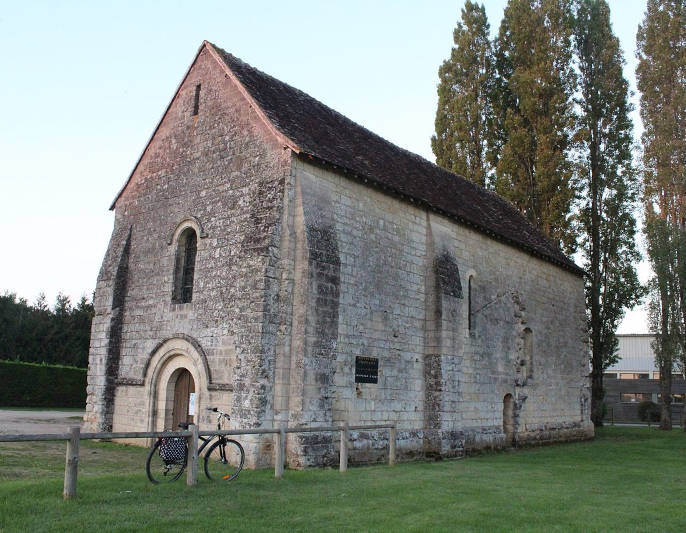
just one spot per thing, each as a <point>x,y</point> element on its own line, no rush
<point>184,405</point>
<point>508,419</point>
<point>169,388</point>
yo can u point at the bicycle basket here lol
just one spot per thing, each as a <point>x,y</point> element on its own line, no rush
<point>173,449</point>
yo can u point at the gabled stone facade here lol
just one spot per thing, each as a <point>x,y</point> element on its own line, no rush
<point>304,264</point>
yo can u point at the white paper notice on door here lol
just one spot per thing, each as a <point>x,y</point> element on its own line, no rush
<point>191,403</point>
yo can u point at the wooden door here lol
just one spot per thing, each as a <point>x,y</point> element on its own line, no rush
<point>184,387</point>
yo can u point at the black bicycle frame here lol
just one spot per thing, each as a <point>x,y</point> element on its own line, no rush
<point>207,440</point>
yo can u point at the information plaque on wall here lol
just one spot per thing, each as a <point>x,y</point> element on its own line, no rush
<point>366,369</point>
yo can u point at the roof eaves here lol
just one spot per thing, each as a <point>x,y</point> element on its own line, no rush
<point>569,266</point>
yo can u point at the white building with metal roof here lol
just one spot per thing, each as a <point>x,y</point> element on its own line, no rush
<point>636,358</point>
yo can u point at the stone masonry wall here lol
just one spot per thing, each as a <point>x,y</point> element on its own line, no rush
<point>397,278</point>
<point>224,171</point>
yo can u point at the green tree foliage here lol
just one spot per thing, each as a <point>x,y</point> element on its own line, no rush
<point>464,113</point>
<point>34,333</point>
<point>559,139</point>
<point>609,187</point>
<point>661,76</point>
<point>648,411</point>
<point>665,315</point>
<point>533,114</point>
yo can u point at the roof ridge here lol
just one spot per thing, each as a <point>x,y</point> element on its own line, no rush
<point>357,124</point>
<point>410,153</point>
<point>331,137</point>
<point>329,108</point>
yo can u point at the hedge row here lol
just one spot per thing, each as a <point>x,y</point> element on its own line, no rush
<point>35,385</point>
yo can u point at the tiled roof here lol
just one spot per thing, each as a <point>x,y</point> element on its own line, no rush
<point>329,137</point>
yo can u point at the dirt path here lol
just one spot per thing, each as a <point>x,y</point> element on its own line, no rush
<point>20,421</point>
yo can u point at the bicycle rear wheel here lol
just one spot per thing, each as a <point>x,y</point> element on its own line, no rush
<point>224,460</point>
<point>161,471</point>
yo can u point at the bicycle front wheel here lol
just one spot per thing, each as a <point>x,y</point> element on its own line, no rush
<point>224,460</point>
<point>161,471</point>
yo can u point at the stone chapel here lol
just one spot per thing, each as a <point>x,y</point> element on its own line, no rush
<point>277,260</point>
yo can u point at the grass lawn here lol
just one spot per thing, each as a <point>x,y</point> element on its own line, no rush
<point>627,479</point>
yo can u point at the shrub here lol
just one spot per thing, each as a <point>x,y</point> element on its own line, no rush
<point>35,385</point>
<point>649,411</point>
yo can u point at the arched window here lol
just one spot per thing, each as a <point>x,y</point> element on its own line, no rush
<point>529,352</point>
<point>508,419</point>
<point>184,268</point>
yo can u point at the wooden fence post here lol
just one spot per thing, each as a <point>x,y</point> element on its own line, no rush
<point>71,466</point>
<point>345,438</point>
<point>391,446</point>
<point>192,466</point>
<point>280,451</point>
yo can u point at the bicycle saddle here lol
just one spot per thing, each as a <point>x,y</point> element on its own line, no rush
<point>184,425</point>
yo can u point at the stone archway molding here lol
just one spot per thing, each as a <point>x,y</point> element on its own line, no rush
<point>186,222</point>
<point>169,355</point>
<point>158,351</point>
<point>172,356</point>
<point>176,343</point>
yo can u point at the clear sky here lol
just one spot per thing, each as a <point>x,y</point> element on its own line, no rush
<point>85,83</point>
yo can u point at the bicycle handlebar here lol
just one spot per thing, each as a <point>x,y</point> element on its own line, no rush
<point>215,410</point>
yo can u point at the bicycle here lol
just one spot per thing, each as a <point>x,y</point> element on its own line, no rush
<point>169,455</point>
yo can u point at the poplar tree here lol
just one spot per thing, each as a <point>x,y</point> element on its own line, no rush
<point>665,316</point>
<point>464,109</point>
<point>534,118</point>
<point>661,76</point>
<point>609,187</point>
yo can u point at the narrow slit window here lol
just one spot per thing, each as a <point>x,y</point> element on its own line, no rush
<point>185,266</point>
<point>529,352</point>
<point>196,100</point>
<point>470,323</point>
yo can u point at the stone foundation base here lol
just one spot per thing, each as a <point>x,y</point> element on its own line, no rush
<point>305,450</point>
<point>371,447</point>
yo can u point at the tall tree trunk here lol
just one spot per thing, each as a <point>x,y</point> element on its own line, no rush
<point>597,392</point>
<point>665,369</point>
<point>597,395</point>
<point>666,396</point>
<point>682,303</point>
